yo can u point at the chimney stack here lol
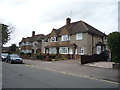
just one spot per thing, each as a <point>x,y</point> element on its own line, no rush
<point>33,33</point>
<point>68,21</point>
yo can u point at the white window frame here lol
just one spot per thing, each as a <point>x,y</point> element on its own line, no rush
<point>43,50</point>
<point>63,50</point>
<point>22,44</point>
<point>79,36</point>
<point>52,50</point>
<point>70,51</point>
<point>65,38</point>
<point>81,51</point>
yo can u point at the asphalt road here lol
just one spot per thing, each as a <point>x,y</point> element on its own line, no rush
<point>24,76</point>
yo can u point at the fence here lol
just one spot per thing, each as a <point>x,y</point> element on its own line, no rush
<point>94,58</point>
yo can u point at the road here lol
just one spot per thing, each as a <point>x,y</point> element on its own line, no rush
<point>24,76</point>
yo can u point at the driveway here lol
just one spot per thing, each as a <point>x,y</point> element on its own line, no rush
<point>73,67</point>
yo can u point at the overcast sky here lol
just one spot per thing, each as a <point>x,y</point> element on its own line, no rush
<point>42,16</point>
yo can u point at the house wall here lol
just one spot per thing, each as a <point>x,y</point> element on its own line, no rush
<point>45,44</point>
<point>92,40</point>
<point>53,34</point>
<point>89,44</point>
<point>34,45</point>
<point>95,40</point>
<point>80,43</point>
<point>26,47</point>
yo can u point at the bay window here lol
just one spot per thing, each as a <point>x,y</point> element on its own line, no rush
<point>52,50</point>
<point>63,50</point>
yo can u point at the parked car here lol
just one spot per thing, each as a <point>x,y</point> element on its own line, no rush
<point>4,56</point>
<point>14,58</point>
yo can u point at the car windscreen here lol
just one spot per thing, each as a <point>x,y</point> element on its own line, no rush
<point>14,56</point>
<point>5,55</point>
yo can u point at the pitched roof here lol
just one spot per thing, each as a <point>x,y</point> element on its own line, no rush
<point>33,38</point>
<point>80,26</point>
<point>47,36</point>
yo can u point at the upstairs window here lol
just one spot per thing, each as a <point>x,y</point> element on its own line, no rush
<point>65,38</point>
<point>54,39</point>
<point>79,36</point>
<point>46,40</point>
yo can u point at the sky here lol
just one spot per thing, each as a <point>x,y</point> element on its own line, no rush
<point>42,16</point>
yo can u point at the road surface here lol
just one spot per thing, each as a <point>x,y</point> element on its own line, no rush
<point>24,76</point>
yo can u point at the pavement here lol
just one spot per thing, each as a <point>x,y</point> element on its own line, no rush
<point>100,71</point>
<point>101,64</point>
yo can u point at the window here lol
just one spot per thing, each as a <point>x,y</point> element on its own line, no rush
<point>63,50</point>
<point>76,51</point>
<point>98,49</point>
<point>22,44</point>
<point>46,40</point>
<point>79,36</point>
<point>52,50</point>
<point>35,43</point>
<point>65,38</point>
<point>44,50</point>
<point>104,38</point>
<point>81,52</point>
<point>70,51</point>
<point>53,39</point>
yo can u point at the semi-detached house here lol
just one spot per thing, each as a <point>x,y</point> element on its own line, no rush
<point>31,44</point>
<point>74,39</point>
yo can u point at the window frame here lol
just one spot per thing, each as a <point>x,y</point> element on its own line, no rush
<point>46,40</point>
<point>79,36</point>
<point>65,38</point>
<point>56,39</point>
<point>64,50</point>
<point>81,51</point>
<point>52,50</point>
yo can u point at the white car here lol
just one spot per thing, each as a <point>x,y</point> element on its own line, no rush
<point>4,56</point>
<point>14,58</point>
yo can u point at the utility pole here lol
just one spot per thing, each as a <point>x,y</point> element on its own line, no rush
<point>0,38</point>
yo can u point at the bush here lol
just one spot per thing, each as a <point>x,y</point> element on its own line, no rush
<point>114,46</point>
<point>29,54</point>
<point>39,56</point>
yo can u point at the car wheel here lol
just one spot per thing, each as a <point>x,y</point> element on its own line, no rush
<point>10,62</point>
<point>21,62</point>
<point>6,61</point>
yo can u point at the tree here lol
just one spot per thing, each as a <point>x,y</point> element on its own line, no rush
<point>6,30</point>
<point>13,49</point>
<point>114,45</point>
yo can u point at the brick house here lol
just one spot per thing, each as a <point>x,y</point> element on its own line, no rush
<point>74,39</point>
<point>31,44</point>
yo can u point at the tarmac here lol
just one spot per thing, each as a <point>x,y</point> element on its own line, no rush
<point>99,70</point>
